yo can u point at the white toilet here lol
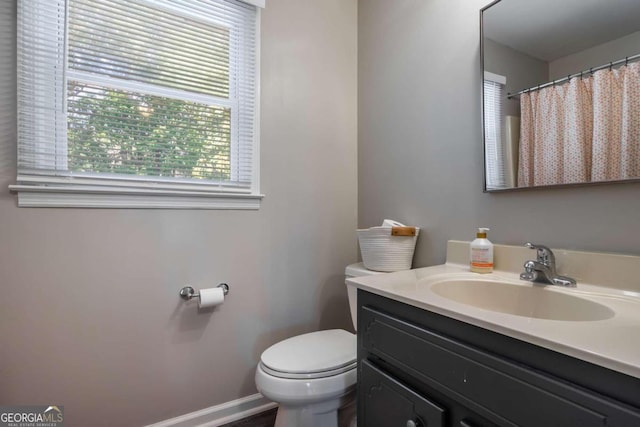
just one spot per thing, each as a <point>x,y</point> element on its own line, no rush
<point>312,377</point>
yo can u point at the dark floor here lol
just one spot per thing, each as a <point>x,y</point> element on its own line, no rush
<point>264,419</point>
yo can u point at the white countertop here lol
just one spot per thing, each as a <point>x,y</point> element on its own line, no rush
<point>613,342</point>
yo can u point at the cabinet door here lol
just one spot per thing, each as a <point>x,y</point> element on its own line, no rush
<point>388,403</point>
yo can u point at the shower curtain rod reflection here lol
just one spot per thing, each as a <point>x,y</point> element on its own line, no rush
<point>580,74</point>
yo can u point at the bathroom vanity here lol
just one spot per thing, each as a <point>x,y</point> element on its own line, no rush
<point>426,360</point>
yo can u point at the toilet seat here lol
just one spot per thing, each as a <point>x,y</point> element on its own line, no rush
<point>308,375</point>
<point>314,355</point>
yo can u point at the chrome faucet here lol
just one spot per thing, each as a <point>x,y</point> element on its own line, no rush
<point>543,269</point>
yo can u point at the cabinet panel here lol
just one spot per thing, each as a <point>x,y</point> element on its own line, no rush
<point>387,402</point>
<point>505,392</point>
<point>606,382</point>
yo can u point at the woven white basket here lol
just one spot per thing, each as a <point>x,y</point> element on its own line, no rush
<point>383,252</point>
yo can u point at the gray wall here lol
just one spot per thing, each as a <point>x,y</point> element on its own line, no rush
<point>420,145</point>
<point>90,316</point>
<point>522,71</point>
<point>595,56</point>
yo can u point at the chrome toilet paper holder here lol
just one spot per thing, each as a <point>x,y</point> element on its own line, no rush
<point>188,292</point>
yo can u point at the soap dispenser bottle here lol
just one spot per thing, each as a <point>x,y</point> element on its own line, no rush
<point>481,253</point>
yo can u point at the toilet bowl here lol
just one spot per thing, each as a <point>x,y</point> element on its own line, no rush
<point>313,376</point>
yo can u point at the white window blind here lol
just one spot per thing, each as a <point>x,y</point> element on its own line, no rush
<point>132,98</point>
<point>494,93</point>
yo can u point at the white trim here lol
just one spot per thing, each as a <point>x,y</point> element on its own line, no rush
<point>236,48</point>
<point>255,167</point>
<point>221,414</point>
<point>496,78</point>
<point>31,196</point>
<point>61,136</point>
<point>144,184</point>
<point>146,88</point>
<point>257,3</point>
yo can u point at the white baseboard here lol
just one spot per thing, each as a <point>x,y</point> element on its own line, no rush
<point>221,414</point>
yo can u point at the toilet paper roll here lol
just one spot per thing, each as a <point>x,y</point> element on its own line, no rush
<point>210,297</point>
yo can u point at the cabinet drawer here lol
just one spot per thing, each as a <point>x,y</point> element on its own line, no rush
<point>503,391</point>
<point>387,402</point>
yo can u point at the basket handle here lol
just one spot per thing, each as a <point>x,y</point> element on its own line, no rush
<point>403,231</point>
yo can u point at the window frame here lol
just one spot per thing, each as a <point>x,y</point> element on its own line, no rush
<point>59,188</point>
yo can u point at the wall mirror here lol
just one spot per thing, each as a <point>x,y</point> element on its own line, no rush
<point>561,92</point>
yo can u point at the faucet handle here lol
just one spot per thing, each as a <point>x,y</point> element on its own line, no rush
<point>545,254</point>
<point>529,273</point>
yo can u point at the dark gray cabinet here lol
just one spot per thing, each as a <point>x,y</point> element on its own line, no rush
<point>419,368</point>
<point>390,402</point>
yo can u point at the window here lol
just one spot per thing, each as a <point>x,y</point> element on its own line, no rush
<point>143,103</point>
<point>494,93</point>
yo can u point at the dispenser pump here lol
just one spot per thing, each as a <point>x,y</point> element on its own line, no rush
<point>481,253</point>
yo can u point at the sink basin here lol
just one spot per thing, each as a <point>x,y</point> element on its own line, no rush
<point>535,301</point>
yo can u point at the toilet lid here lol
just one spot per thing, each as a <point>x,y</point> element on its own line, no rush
<point>312,353</point>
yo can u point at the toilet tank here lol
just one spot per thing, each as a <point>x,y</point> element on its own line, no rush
<point>356,270</point>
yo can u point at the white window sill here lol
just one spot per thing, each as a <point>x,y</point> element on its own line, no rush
<point>51,196</point>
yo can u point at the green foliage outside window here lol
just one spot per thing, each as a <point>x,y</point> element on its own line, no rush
<point>117,131</point>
